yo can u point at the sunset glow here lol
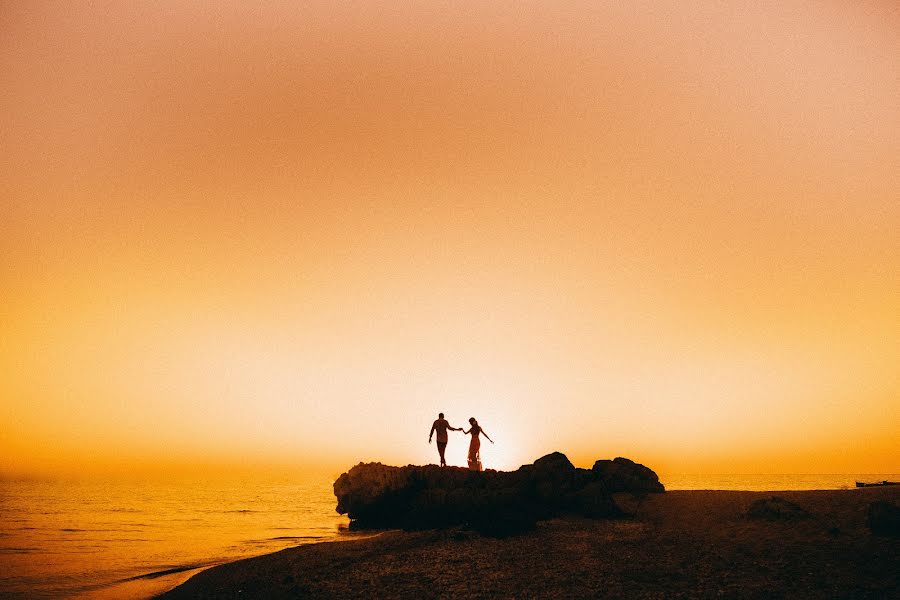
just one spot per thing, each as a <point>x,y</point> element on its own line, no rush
<point>240,238</point>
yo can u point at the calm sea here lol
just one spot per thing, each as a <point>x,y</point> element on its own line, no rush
<point>125,539</point>
<point>767,483</point>
<point>90,539</point>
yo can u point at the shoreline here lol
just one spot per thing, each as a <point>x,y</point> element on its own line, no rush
<point>683,543</point>
<point>145,586</point>
<point>155,584</point>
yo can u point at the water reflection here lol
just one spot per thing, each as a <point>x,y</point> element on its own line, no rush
<point>69,538</point>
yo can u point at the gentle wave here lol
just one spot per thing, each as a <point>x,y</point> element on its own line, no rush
<point>15,550</point>
<point>169,571</point>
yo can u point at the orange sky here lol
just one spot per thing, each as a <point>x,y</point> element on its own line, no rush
<point>242,235</point>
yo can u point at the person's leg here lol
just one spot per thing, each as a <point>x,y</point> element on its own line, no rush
<point>441,447</point>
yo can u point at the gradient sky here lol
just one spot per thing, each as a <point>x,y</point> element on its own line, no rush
<point>286,234</point>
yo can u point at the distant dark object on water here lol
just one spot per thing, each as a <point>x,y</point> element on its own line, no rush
<point>884,518</point>
<point>776,509</point>
<point>494,503</point>
<point>876,484</point>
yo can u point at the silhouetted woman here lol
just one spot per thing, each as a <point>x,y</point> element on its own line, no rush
<point>475,444</point>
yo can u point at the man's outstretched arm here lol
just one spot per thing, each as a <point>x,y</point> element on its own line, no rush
<point>431,433</point>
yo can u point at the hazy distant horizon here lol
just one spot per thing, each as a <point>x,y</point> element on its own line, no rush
<point>301,473</point>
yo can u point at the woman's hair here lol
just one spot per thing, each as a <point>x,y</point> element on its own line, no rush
<point>473,421</point>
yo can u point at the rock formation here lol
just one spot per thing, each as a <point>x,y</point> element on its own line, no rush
<point>493,502</point>
<point>884,518</point>
<point>623,475</point>
<point>776,508</point>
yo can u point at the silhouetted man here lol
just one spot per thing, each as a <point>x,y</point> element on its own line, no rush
<point>441,426</point>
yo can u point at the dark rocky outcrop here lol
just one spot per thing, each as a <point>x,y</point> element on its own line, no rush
<point>495,503</point>
<point>884,518</point>
<point>776,509</point>
<point>623,475</point>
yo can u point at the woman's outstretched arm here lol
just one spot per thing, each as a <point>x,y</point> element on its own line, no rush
<point>487,436</point>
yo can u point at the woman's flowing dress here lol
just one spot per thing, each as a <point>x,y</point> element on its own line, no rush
<point>474,447</point>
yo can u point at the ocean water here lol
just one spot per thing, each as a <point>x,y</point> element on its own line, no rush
<point>128,539</point>
<point>771,483</point>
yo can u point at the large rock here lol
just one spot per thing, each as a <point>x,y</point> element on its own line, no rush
<point>493,502</point>
<point>623,475</point>
<point>884,518</point>
<point>776,508</point>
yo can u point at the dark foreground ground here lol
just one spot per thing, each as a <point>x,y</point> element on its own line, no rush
<point>682,544</point>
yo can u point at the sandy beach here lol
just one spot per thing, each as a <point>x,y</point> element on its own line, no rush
<point>680,544</point>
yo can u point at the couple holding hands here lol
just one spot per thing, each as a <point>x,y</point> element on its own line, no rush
<point>441,426</point>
